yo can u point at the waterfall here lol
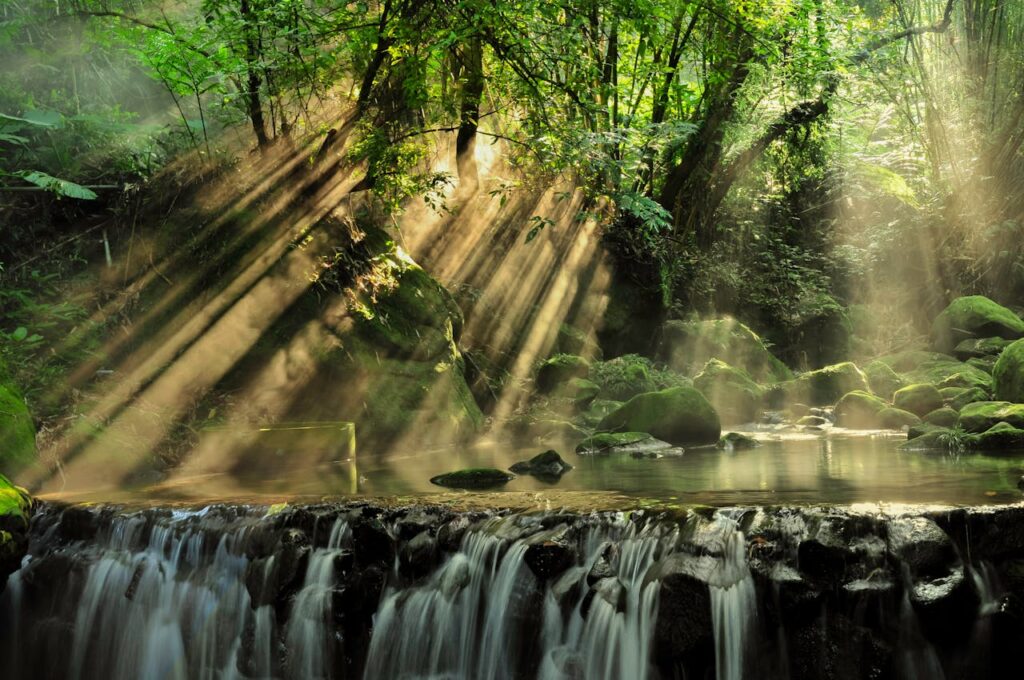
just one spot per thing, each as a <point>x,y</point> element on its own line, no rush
<point>467,620</point>
<point>733,605</point>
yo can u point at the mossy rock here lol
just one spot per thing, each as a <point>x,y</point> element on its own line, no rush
<point>940,370</point>
<point>979,348</point>
<point>859,410</point>
<point>17,432</point>
<point>882,379</point>
<point>579,391</point>
<point>1008,374</point>
<point>934,440</point>
<point>919,399</point>
<point>983,415</point>
<point>473,478</point>
<point>896,419</point>
<point>974,316</point>
<point>987,364</point>
<point>606,441</point>
<point>15,509</point>
<point>999,437</point>
<point>962,396</point>
<point>626,376</point>
<point>680,416</point>
<point>923,428</point>
<point>826,385</point>
<point>687,345</point>
<point>560,369</point>
<point>737,441</point>
<point>943,417</point>
<point>735,396</point>
<point>598,409</point>
<point>571,340</point>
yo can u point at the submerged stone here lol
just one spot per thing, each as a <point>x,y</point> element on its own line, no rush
<point>473,478</point>
<point>736,441</point>
<point>1008,374</point>
<point>637,444</point>
<point>680,416</point>
<point>547,464</point>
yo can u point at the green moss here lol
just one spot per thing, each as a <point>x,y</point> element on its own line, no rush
<point>560,369</point>
<point>896,419</point>
<point>17,432</point>
<point>938,439</point>
<point>1008,374</point>
<point>473,478</point>
<point>980,348</point>
<point>827,385</point>
<point>919,399</point>
<point>944,417</point>
<point>688,345</point>
<point>974,316</point>
<point>859,410</point>
<point>626,376</point>
<point>983,415</point>
<point>15,502</point>
<point>882,379</point>
<point>963,396</point>
<point>732,392</point>
<point>680,415</point>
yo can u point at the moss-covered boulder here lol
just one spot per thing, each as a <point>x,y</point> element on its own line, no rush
<point>979,348</point>
<point>473,478</point>
<point>628,375</point>
<point>958,397</point>
<point>17,431</point>
<point>15,507</point>
<point>919,399</point>
<point>1008,374</point>
<point>983,415</point>
<point>974,316</point>
<point>680,416</point>
<point>882,379</point>
<point>943,417</point>
<point>735,396</point>
<point>938,439</point>
<point>826,385</point>
<point>572,340</point>
<point>999,437</point>
<point>859,410</point>
<point>578,391</point>
<point>687,345</point>
<point>560,369</point>
<point>896,419</point>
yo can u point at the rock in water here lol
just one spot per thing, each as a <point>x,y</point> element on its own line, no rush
<point>1008,373</point>
<point>918,399</point>
<point>982,415</point>
<point>473,478</point>
<point>859,410</point>
<point>637,444</point>
<point>735,441</point>
<point>680,416</point>
<point>732,392</point>
<point>545,465</point>
<point>974,316</point>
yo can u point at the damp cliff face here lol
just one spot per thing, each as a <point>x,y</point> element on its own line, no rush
<point>350,591</point>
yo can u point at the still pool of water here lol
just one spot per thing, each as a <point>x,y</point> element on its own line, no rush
<point>838,466</point>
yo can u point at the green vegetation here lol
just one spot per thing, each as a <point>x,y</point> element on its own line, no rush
<point>680,416</point>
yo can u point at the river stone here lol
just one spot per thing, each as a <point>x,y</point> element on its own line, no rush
<point>560,369</point>
<point>896,419</point>
<point>859,410</point>
<point>610,590</point>
<point>982,415</point>
<point>882,379</point>
<point>418,556</point>
<point>473,478</point>
<point>736,441</point>
<point>1008,374</point>
<point>735,396</point>
<point>826,385</point>
<point>683,625</point>
<point>964,396</point>
<point>943,417</point>
<point>813,421</point>
<point>919,543</point>
<point>999,437</point>
<point>980,348</point>
<point>919,399</point>
<point>686,345</point>
<point>680,416</point>
<point>545,465</point>
<point>372,541</point>
<point>974,316</point>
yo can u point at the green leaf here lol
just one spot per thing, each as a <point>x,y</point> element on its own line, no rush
<point>61,187</point>
<point>19,334</point>
<point>41,118</point>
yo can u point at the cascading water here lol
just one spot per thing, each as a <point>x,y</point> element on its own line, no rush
<point>334,591</point>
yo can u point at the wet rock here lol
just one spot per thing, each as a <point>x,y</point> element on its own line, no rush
<point>546,465</point>
<point>813,421</point>
<point>919,399</point>
<point>1000,437</point>
<point>732,392</point>
<point>920,544</point>
<point>78,523</point>
<point>271,579</point>
<point>897,419</point>
<point>736,441</point>
<point>859,410</point>
<point>418,557</point>
<point>473,478</point>
<point>620,442</point>
<point>682,631</point>
<point>602,567</point>
<point>372,542</point>
<point>980,416</point>
<point>610,590</point>
<point>826,385</point>
<point>943,417</point>
<point>549,559</point>
<point>680,416</point>
<point>974,316</point>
